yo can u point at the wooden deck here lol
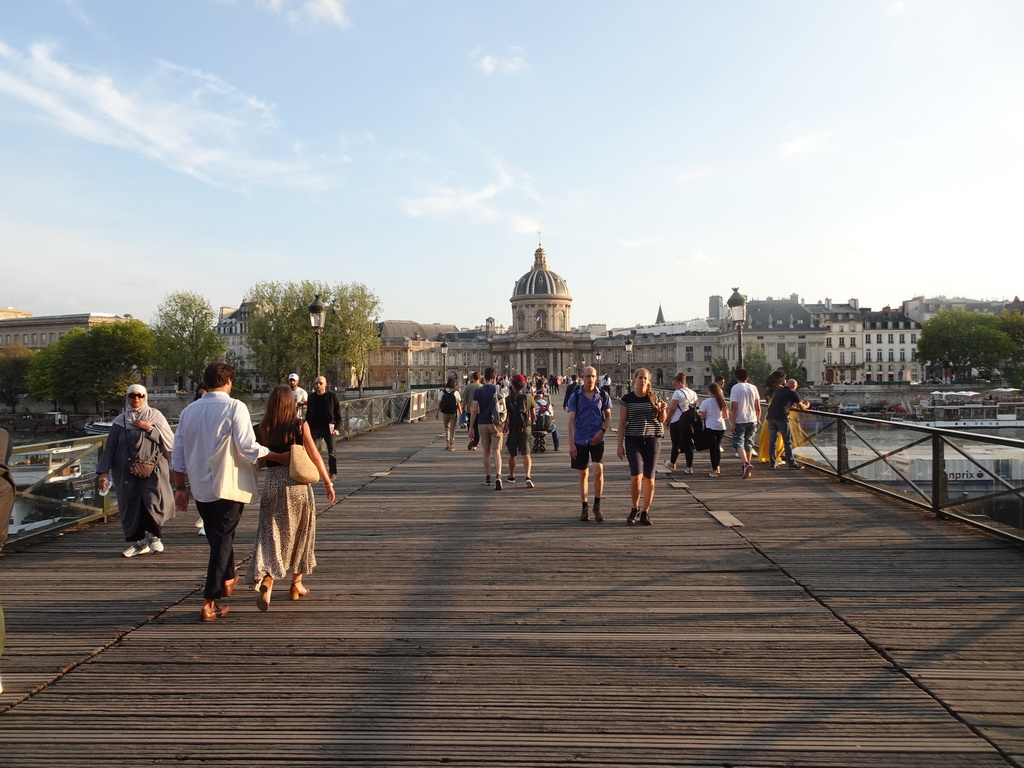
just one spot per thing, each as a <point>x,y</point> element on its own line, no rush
<point>451,624</point>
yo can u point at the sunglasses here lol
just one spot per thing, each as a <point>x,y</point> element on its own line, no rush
<point>136,394</point>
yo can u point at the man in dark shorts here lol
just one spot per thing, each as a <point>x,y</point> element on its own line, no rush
<point>519,427</point>
<point>590,414</point>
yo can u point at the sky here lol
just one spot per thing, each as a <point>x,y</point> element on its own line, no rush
<point>662,151</point>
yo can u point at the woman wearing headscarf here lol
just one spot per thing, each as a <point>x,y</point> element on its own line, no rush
<point>137,456</point>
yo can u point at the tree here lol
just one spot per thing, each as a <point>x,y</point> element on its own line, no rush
<point>14,362</point>
<point>184,337</point>
<point>1012,324</point>
<point>756,363</point>
<point>280,337</point>
<point>963,340</point>
<point>97,364</point>
<point>794,367</point>
<point>721,369</point>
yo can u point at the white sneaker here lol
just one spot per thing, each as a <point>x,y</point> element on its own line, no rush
<point>199,523</point>
<point>138,548</point>
<point>155,544</point>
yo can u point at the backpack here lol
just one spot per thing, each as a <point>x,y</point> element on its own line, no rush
<point>499,412</point>
<point>542,423</point>
<point>518,418</point>
<point>448,402</point>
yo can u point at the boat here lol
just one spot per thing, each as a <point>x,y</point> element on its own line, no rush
<point>54,465</point>
<point>968,415</point>
<point>98,427</point>
<point>51,421</point>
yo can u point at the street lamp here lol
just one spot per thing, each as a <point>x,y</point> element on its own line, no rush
<point>737,304</point>
<point>444,360</point>
<point>629,356</point>
<point>597,357</point>
<point>317,317</point>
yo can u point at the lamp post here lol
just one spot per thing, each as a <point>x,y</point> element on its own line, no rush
<point>737,304</point>
<point>597,357</point>
<point>629,357</point>
<point>444,362</point>
<point>317,316</point>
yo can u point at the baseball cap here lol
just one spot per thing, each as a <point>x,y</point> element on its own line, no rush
<point>519,380</point>
<point>293,377</point>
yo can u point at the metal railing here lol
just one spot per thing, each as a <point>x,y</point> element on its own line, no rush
<point>974,478</point>
<point>56,480</point>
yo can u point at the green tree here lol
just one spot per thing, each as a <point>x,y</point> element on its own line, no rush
<point>14,362</point>
<point>280,337</point>
<point>1012,324</point>
<point>721,369</point>
<point>794,367</point>
<point>184,337</point>
<point>756,363</point>
<point>963,340</point>
<point>96,365</point>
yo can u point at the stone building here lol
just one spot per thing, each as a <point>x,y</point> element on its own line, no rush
<point>38,332</point>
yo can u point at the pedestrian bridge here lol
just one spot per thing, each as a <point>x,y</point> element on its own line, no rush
<point>788,619</point>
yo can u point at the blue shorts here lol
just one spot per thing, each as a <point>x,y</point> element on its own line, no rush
<point>744,435</point>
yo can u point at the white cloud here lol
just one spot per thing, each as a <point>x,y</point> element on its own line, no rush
<point>510,65</point>
<point>480,204</point>
<point>803,144</point>
<point>321,12</point>
<point>188,120</point>
<point>691,176</point>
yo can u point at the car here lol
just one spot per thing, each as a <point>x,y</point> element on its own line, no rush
<point>849,407</point>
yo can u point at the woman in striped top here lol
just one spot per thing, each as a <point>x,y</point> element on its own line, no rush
<point>641,425</point>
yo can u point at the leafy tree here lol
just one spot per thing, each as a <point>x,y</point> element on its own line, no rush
<point>794,367</point>
<point>14,362</point>
<point>963,340</point>
<point>721,369</point>
<point>281,340</point>
<point>97,364</point>
<point>1012,324</point>
<point>756,363</point>
<point>184,337</point>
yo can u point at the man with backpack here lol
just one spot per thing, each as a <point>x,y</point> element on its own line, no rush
<point>449,402</point>
<point>590,415</point>
<point>520,405</point>
<point>487,419</point>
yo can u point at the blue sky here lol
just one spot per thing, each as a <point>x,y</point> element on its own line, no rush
<point>666,150</point>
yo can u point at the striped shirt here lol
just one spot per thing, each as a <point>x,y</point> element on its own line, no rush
<point>640,416</point>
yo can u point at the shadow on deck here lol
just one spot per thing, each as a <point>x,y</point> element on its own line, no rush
<point>450,623</point>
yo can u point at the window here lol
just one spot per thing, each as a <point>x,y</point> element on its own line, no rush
<point>396,357</point>
<point>842,341</point>
<point>842,358</point>
<point>867,338</point>
<point>853,341</point>
<point>913,338</point>
<point>707,353</point>
<point>853,358</point>
<point>828,342</point>
<point>415,358</point>
<point>689,355</point>
<point>878,338</point>
<point>801,350</point>
<point>903,338</point>
<point>828,358</point>
<point>890,338</point>
<point>891,356</point>
<point>780,349</point>
<point>903,355</point>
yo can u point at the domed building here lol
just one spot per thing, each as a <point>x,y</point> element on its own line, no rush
<point>541,299</point>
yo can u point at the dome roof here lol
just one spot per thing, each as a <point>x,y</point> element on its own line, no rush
<point>540,281</point>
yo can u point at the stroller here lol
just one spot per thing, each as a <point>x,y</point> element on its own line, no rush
<point>543,423</point>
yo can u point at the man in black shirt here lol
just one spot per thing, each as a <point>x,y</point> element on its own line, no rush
<point>784,399</point>
<point>323,414</point>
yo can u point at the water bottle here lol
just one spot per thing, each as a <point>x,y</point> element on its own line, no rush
<point>106,485</point>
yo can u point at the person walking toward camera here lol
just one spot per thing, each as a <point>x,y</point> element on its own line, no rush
<point>641,426</point>
<point>590,415</point>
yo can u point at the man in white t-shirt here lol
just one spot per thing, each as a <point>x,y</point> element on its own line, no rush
<point>745,416</point>
<point>300,395</point>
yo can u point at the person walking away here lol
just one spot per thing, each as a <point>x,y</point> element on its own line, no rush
<point>137,456</point>
<point>682,409</point>
<point>215,450</point>
<point>770,453</point>
<point>715,413</point>
<point>745,414</point>
<point>590,415</point>
<point>519,427</point>
<point>449,402</point>
<point>482,419</point>
<point>467,403</point>
<point>641,426</point>
<point>323,414</point>
<point>286,534</point>
<point>783,401</point>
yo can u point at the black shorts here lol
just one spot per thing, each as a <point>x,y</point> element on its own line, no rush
<point>587,453</point>
<point>519,443</point>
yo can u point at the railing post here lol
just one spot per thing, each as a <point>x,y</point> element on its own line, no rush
<point>842,457</point>
<point>940,480</point>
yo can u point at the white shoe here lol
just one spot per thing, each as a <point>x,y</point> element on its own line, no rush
<point>138,548</point>
<point>668,465</point>
<point>155,544</point>
<point>202,531</point>
<point>199,523</point>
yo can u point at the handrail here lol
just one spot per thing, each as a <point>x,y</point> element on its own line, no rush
<point>70,475</point>
<point>974,478</point>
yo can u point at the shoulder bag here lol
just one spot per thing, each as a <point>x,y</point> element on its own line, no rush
<point>301,468</point>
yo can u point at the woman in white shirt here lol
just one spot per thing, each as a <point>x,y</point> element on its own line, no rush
<point>715,414</point>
